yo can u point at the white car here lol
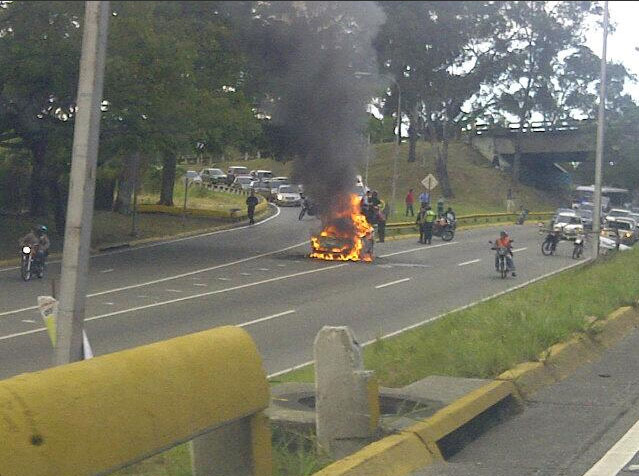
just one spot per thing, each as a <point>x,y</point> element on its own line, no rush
<point>288,195</point>
<point>569,224</point>
<point>243,182</point>
<point>617,212</point>
<point>262,174</point>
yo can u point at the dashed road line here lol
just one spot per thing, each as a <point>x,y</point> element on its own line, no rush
<point>380,286</point>
<point>107,270</point>
<point>469,262</point>
<point>200,284</point>
<point>421,248</point>
<point>267,318</point>
<point>519,249</point>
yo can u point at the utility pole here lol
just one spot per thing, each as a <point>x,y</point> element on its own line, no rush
<point>368,159</point>
<point>86,135</point>
<point>397,144</point>
<point>596,215</point>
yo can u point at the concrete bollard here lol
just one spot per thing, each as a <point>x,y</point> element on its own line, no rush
<point>347,396</point>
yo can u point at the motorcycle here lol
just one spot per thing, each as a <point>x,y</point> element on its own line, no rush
<point>307,208</point>
<point>444,229</point>
<point>549,245</point>
<point>30,265</point>
<point>522,216</point>
<point>502,263</point>
<point>578,248</point>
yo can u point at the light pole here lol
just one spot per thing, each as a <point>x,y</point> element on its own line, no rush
<point>596,215</point>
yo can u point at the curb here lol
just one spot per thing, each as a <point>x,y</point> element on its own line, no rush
<point>417,446</point>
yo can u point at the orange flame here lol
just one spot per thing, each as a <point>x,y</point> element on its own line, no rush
<point>337,244</point>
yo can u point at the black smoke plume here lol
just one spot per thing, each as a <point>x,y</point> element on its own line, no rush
<point>322,75</point>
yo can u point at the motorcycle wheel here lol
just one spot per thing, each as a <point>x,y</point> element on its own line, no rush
<point>576,252</point>
<point>502,268</point>
<point>448,235</point>
<point>302,212</point>
<point>547,248</point>
<point>25,270</point>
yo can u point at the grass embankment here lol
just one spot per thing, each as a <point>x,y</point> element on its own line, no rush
<point>113,228</point>
<point>477,185</point>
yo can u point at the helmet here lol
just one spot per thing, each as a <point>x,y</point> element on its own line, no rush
<point>41,229</point>
<point>503,233</point>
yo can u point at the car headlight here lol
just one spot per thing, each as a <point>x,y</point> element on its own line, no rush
<point>628,235</point>
<point>26,250</point>
<point>280,197</point>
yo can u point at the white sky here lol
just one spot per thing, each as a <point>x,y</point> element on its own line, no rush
<point>622,43</point>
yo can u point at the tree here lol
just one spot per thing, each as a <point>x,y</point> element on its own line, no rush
<point>544,46</point>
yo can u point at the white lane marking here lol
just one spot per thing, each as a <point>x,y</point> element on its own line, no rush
<point>170,278</point>
<point>267,318</point>
<point>421,248</point>
<point>107,270</point>
<point>469,262</point>
<point>380,286</point>
<point>143,296</point>
<point>263,269</point>
<point>200,284</point>
<point>28,321</point>
<point>162,243</point>
<point>435,318</point>
<point>245,274</point>
<point>109,303</point>
<point>519,249</point>
<point>174,290</point>
<point>224,279</point>
<point>281,266</point>
<point>618,456</point>
<point>404,265</point>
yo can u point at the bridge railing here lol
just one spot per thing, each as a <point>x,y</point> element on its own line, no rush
<point>99,415</point>
<point>537,126</point>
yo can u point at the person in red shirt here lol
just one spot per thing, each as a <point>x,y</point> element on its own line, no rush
<point>504,241</point>
<point>410,199</point>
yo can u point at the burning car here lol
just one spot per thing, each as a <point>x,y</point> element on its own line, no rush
<point>346,236</point>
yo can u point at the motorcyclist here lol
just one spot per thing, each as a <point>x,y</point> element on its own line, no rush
<point>38,237</point>
<point>504,241</point>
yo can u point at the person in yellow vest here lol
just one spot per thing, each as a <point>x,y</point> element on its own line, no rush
<point>425,219</point>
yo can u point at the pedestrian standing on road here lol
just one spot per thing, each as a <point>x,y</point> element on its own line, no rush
<point>424,198</point>
<point>440,207</point>
<point>429,221</point>
<point>381,223</point>
<point>421,223</point>
<point>251,203</point>
<point>365,203</point>
<point>410,199</point>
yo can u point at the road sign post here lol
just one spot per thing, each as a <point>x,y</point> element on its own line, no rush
<point>430,182</point>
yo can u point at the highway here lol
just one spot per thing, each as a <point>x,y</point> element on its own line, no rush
<point>260,278</point>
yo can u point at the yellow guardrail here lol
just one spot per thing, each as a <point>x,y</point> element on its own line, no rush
<point>479,218</point>
<point>96,416</point>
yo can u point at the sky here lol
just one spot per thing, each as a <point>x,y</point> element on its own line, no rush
<point>621,43</point>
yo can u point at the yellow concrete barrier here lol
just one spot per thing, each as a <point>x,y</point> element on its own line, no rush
<point>95,416</point>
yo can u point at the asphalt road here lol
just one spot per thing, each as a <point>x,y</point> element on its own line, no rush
<point>259,277</point>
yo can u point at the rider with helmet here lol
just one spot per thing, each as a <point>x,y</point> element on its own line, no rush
<point>37,237</point>
<point>504,241</point>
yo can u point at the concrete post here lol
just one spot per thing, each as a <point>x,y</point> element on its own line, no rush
<point>77,233</point>
<point>347,397</point>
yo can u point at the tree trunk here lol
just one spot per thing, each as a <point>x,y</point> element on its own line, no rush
<point>58,200</point>
<point>122,203</point>
<point>517,159</point>
<point>37,185</point>
<point>169,164</point>
<point>441,164</point>
<point>413,134</point>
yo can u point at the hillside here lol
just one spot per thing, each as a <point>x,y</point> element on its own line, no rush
<point>478,187</point>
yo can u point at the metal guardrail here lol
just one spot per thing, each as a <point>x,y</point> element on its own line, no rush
<point>477,219</point>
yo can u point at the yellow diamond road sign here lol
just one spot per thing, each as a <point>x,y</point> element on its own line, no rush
<point>430,182</point>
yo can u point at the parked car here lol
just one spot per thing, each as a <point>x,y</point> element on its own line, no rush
<point>288,195</point>
<point>275,184</point>
<point>242,182</point>
<point>262,187</point>
<point>618,212</point>
<point>569,224</point>
<point>213,176</point>
<point>234,171</point>
<point>261,174</point>
<point>626,227</point>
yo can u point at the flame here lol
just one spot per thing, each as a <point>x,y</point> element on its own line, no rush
<point>348,241</point>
